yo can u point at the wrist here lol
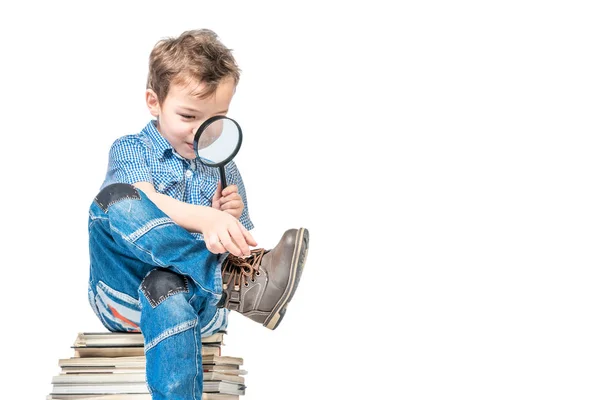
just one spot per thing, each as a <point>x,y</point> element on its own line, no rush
<point>203,216</point>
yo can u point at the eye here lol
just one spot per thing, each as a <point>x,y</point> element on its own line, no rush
<point>187,116</point>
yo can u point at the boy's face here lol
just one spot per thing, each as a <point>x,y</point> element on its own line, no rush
<point>182,113</point>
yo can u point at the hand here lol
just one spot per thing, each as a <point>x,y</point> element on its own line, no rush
<point>228,200</point>
<point>224,233</point>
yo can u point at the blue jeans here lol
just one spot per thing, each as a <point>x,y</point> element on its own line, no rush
<point>148,273</point>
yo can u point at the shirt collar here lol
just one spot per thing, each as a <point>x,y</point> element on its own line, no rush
<point>160,145</point>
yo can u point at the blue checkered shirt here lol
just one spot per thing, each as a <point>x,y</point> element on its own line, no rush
<point>148,157</point>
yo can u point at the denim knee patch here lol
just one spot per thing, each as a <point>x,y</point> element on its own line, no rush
<point>160,284</point>
<point>114,193</point>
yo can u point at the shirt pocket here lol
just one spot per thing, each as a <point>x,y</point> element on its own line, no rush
<point>167,182</point>
<point>208,185</point>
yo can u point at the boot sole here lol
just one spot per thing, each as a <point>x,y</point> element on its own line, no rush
<point>298,259</point>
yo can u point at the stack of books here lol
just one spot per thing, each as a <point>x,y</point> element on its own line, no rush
<point>112,366</point>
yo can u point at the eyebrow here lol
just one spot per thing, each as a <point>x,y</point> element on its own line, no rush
<point>196,111</point>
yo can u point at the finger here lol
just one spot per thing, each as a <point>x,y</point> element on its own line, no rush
<point>229,190</point>
<point>214,245</point>
<point>231,197</point>
<point>238,237</point>
<point>229,245</point>
<point>247,235</point>
<point>232,205</point>
<point>218,193</point>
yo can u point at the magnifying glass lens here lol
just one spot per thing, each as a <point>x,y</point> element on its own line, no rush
<point>216,142</point>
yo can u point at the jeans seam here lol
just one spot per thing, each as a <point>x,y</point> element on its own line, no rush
<point>95,217</point>
<point>125,237</point>
<point>105,208</point>
<point>146,228</point>
<point>196,357</point>
<point>120,295</point>
<point>94,220</point>
<point>170,332</point>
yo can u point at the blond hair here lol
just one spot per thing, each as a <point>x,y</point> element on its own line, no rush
<point>196,56</point>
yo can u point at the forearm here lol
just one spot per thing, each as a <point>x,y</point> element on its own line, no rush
<point>188,216</point>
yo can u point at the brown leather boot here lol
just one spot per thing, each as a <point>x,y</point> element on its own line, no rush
<point>261,286</point>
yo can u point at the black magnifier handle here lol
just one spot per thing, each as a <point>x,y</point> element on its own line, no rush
<point>223,180</point>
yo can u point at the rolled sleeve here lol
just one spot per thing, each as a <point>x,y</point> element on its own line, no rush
<point>127,162</point>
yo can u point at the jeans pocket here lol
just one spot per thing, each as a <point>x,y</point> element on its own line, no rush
<point>216,324</point>
<point>92,300</point>
<point>117,311</point>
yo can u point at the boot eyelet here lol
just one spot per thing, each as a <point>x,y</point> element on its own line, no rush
<point>253,280</point>
<point>257,273</point>
<point>246,284</point>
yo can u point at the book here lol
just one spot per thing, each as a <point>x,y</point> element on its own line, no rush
<point>112,366</point>
<point>205,396</point>
<point>223,387</point>
<point>209,361</point>
<point>140,388</point>
<point>72,370</point>
<point>116,362</point>
<point>126,339</point>
<point>99,378</point>
<point>224,369</point>
<point>102,370</point>
<point>99,388</point>
<point>217,359</point>
<point>129,351</point>
<point>216,376</point>
<point>131,378</point>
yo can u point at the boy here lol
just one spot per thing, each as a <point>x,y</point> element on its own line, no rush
<point>169,251</point>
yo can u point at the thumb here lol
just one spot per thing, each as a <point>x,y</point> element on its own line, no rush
<point>217,194</point>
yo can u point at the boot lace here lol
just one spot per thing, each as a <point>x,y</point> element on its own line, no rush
<point>240,269</point>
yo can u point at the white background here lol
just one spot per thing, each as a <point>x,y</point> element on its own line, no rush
<point>443,155</point>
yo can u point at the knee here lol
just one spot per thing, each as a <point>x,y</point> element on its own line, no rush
<point>166,309</point>
<point>116,193</point>
<point>160,284</point>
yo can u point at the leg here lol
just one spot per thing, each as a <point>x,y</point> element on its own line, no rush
<point>173,314</point>
<point>127,228</point>
<point>129,238</point>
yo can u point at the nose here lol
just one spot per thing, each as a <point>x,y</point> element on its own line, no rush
<point>195,128</point>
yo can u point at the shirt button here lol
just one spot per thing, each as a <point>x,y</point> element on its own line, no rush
<point>188,173</point>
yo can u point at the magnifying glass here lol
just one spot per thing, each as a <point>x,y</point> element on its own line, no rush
<point>216,142</point>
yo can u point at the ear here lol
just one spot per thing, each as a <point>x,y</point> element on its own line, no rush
<point>152,102</point>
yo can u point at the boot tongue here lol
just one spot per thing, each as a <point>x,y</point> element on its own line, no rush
<point>266,260</point>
